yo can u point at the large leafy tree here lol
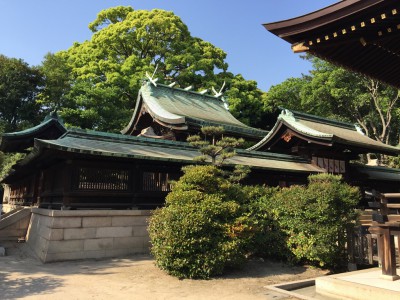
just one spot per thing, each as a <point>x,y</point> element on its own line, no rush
<point>54,94</point>
<point>19,85</point>
<point>104,73</point>
<point>288,94</point>
<point>107,70</point>
<point>246,101</point>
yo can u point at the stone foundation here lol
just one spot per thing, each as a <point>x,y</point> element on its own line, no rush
<point>57,235</point>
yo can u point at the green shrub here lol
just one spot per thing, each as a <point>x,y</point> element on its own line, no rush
<point>267,239</point>
<point>211,222</point>
<point>315,219</point>
<point>201,230</point>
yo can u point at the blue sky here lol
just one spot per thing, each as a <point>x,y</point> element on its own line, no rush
<point>30,29</point>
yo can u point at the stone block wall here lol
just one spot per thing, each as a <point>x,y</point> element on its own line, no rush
<point>57,235</point>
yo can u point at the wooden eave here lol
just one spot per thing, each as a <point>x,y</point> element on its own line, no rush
<point>362,36</point>
<point>295,29</point>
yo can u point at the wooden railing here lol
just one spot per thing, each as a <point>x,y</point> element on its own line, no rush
<point>386,225</point>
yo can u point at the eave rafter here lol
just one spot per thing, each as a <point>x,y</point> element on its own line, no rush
<point>369,31</point>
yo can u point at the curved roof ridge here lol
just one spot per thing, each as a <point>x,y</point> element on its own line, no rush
<point>51,127</point>
<point>293,123</point>
<point>322,120</point>
<point>205,95</point>
<point>52,117</point>
<point>177,108</point>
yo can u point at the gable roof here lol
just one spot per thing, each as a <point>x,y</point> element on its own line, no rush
<point>52,127</point>
<point>178,108</point>
<point>360,35</point>
<point>323,131</point>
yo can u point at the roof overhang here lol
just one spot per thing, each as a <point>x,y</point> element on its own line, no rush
<point>107,146</point>
<point>50,128</point>
<point>321,131</point>
<point>360,35</point>
<point>377,173</point>
<point>179,109</point>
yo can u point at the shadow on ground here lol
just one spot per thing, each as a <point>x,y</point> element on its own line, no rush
<point>26,286</point>
<point>258,268</point>
<point>22,274</point>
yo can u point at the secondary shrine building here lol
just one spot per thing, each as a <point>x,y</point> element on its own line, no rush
<point>81,169</point>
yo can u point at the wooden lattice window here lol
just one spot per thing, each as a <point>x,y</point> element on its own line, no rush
<point>157,181</point>
<point>103,179</point>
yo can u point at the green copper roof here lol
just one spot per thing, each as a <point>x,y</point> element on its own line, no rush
<point>51,127</point>
<point>117,145</point>
<point>324,130</point>
<point>179,108</point>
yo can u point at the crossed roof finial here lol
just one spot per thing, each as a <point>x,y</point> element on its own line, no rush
<point>220,93</point>
<point>151,78</point>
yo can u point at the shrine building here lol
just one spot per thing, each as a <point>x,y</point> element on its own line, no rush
<point>81,169</point>
<point>91,192</point>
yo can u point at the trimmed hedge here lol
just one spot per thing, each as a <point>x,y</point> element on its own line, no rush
<point>201,230</point>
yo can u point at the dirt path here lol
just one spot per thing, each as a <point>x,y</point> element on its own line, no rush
<point>135,277</point>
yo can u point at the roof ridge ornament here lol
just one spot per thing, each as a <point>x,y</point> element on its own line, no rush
<point>359,129</point>
<point>151,78</point>
<point>226,104</point>
<point>287,113</point>
<point>203,92</point>
<point>220,93</point>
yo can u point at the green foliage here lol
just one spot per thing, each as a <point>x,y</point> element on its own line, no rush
<point>246,101</point>
<point>202,229</point>
<point>7,160</point>
<point>315,218</point>
<point>394,162</point>
<point>56,74</point>
<point>267,239</point>
<point>218,150</point>
<point>211,222</point>
<point>19,85</point>
<point>105,72</point>
<point>95,83</point>
<point>287,94</point>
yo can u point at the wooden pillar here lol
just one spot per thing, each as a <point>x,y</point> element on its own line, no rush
<point>350,244</point>
<point>67,171</point>
<point>370,249</point>
<point>388,254</point>
<point>389,257</point>
<point>386,251</point>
